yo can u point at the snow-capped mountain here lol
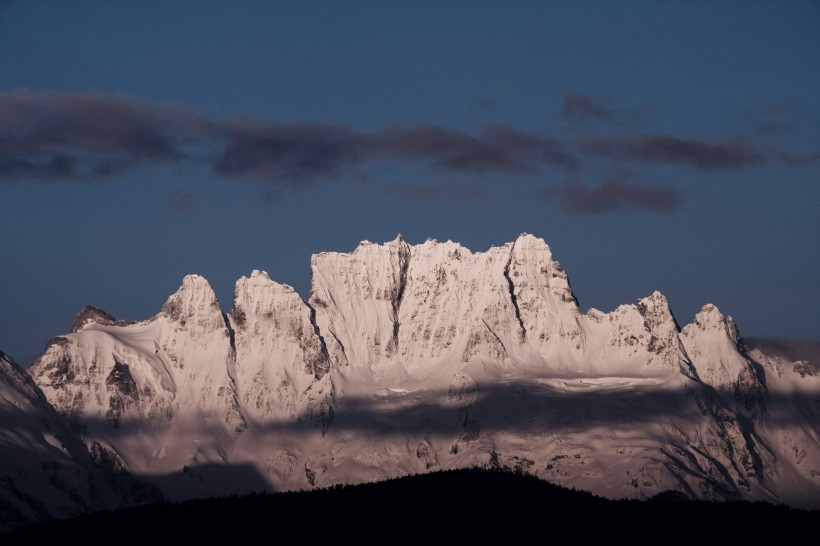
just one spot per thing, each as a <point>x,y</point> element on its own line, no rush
<point>46,471</point>
<point>407,358</point>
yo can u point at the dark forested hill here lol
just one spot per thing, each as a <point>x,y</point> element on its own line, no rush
<point>443,506</point>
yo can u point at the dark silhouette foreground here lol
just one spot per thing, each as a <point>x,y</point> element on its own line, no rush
<point>453,505</point>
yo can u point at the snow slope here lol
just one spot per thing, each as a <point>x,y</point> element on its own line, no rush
<point>407,358</point>
<point>46,471</point>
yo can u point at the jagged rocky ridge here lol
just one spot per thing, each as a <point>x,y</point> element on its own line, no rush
<point>407,358</point>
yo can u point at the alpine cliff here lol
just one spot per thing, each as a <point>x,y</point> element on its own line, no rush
<point>408,358</point>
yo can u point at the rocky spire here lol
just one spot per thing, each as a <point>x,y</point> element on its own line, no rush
<point>194,307</point>
<point>711,342</point>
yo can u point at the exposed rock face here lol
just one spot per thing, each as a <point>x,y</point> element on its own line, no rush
<point>357,297</point>
<point>282,362</point>
<point>412,357</point>
<point>549,314</point>
<point>399,309</point>
<point>91,314</point>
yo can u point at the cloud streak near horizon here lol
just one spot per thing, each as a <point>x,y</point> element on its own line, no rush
<point>48,135</point>
<point>77,136</point>
<point>702,154</point>
<point>613,196</point>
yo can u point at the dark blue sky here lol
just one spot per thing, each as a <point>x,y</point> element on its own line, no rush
<point>654,145</point>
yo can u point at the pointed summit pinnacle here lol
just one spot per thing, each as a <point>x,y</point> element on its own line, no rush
<point>194,304</point>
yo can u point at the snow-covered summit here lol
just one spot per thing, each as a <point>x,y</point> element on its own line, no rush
<point>194,306</point>
<point>710,318</point>
<point>712,342</point>
<point>406,358</point>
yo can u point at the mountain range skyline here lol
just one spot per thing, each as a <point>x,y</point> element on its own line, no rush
<point>291,247</point>
<point>405,359</point>
<point>670,147</point>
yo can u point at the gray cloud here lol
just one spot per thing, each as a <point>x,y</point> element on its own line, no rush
<point>292,154</point>
<point>298,154</point>
<point>699,153</point>
<point>415,192</point>
<point>46,135</point>
<point>795,160</point>
<point>92,135</point>
<point>497,149</point>
<point>612,196</point>
<point>578,108</point>
<point>50,135</point>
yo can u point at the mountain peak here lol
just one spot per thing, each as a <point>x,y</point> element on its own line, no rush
<point>260,279</point>
<point>258,273</point>
<point>194,280</point>
<point>657,306</point>
<point>194,301</point>
<point>89,314</point>
<point>257,291</point>
<point>655,298</point>
<point>196,288</point>
<point>711,319</point>
<point>662,326</point>
<point>527,241</point>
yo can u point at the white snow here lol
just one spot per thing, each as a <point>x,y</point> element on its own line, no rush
<point>410,358</point>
